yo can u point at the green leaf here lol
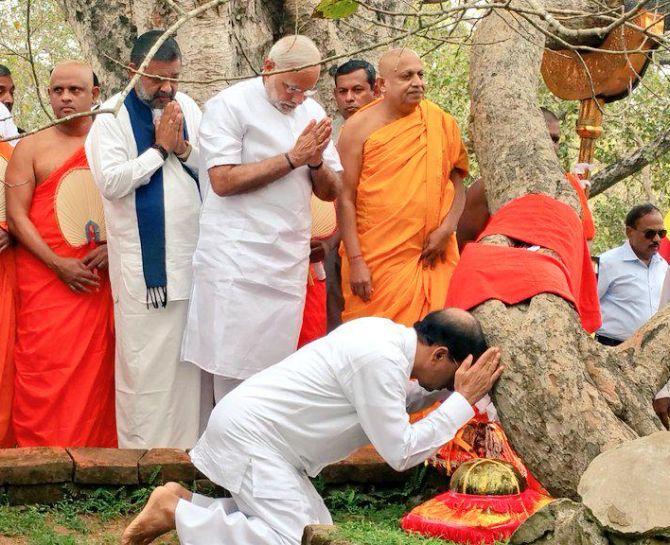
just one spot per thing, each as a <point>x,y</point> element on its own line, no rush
<point>335,9</point>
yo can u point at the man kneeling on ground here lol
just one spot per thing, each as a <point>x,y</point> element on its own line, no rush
<point>314,408</point>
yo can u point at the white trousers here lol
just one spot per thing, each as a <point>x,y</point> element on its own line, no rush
<point>272,507</point>
<point>213,389</point>
<point>157,396</point>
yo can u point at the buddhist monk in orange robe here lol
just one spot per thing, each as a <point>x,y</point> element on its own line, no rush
<point>404,164</point>
<point>64,356</point>
<point>7,311</point>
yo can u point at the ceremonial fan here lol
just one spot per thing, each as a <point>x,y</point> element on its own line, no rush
<point>79,209</point>
<point>3,204</point>
<point>324,224</point>
<point>324,219</point>
<point>599,77</point>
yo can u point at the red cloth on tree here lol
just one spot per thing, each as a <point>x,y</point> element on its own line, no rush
<point>314,317</point>
<point>512,275</point>
<point>64,357</point>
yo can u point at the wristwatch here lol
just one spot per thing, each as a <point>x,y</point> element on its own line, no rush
<point>183,157</point>
<point>164,153</point>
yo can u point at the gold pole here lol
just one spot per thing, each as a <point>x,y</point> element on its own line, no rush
<point>589,128</point>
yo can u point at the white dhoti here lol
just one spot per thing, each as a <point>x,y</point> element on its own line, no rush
<point>157,395</point>
<point>272,507</point>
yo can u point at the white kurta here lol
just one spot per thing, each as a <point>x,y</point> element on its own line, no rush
<point>157,396</point>
<point>250,266</point>
<point>7,126</point>
<point>312,409</point>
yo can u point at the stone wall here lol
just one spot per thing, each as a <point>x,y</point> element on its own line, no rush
<point>46,474</point>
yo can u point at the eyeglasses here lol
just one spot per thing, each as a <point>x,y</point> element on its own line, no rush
<point>650,234</point>
<point>293,90</point>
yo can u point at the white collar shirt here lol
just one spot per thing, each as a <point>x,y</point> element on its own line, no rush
<point>629,291</point>
<point>118,171</point>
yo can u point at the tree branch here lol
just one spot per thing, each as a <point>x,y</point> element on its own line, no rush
<point>629,165</point>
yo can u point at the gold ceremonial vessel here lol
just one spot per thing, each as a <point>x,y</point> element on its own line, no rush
<point>606,75</point>
<point>487,477</point>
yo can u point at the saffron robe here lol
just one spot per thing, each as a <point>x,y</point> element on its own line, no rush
<point>404,193</point>
<point>64,387</point>
<point>314,319</point>
<point>7,326</point>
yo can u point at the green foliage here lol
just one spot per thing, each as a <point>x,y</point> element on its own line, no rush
<point>335,9</point>
<point>52,41</point>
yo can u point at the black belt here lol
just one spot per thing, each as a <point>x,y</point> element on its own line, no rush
<point>608,341</point>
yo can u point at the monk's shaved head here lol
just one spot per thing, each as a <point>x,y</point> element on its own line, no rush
<point>393,58</point>
<point>72,88</point>
<point>74,68</point>
<point>401,80</point>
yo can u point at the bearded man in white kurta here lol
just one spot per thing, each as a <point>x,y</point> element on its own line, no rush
<point>265,147</point>
<point>317,406</point>
<point>145,162</point>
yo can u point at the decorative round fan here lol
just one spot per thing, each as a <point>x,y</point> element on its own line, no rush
<point>324,219</point>
<point>79,209</point>
<point>3,204</point>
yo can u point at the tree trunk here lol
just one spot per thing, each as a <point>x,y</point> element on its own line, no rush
<point>563,398</point>
<point>229,41</point>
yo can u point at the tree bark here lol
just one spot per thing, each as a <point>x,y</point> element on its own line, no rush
<point>563,398</point>
<point>229,41</point>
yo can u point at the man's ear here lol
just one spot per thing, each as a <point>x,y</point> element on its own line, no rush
<point>440,354</point>
<point>376,92</point>
<point>132,67</point>
<point>96,94</point>
<point>268,65</point>
<point>380,86</point>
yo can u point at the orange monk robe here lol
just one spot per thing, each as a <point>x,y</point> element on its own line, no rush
<point>7,326</point>
<point>404,193</point>
<point>64,387</point>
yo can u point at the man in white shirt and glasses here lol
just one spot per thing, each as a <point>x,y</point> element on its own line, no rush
<point>265,148</point>
<point>630,279</point>
<point>267,437</point>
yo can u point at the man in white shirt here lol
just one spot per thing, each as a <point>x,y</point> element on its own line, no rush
<point>7,126</point>
<point>314,408</point>
<point>630,279</point>
<point>265,147</point>
<point>145,162</point>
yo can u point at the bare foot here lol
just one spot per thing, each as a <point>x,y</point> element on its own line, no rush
<point>156,518</point>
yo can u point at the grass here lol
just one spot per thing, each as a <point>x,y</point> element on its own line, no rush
<point>364,516</point>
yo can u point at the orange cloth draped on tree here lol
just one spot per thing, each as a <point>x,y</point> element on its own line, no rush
<point>64,388</point>
<point>404,193</point>
<point>513,275</point>
<point>7,327</point>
